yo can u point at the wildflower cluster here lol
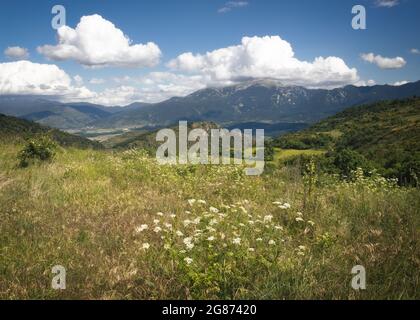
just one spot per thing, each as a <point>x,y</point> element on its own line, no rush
<point>206,240</point>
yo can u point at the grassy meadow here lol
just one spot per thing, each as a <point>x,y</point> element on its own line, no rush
<point>125,227</point>
<point>286,154</point>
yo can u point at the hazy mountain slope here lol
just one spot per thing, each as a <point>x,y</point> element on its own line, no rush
<point>258,101</point>
<point>53,113</point>
<point>12,128</point>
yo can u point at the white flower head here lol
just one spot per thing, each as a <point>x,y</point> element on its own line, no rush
<point>145,246</point>
<point>285,206</point>
<point>188,243</point>
<point>213,222</point>
<point>268,218</point>
<point>237,241</point>
<point>243,209</point>
<point>187,222</point>
<point>211,229</point>
<point>188,260</point>
<point>187,240</point>
<point>142,228</point>
<point>179,234</point>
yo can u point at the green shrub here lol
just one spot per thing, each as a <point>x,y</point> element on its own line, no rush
<point>269,151</point>
<point>40,148</point>
<point>347,161</point>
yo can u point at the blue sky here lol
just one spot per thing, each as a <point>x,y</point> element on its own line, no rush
<point>312,28</point>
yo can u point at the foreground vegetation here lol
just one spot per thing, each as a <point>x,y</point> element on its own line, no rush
<point>127,228</point>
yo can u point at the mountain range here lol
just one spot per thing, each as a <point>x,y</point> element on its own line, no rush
<point>263,102</point>
<point>65,116</point>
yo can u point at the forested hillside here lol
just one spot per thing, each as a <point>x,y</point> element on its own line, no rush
<point>12,128</point>
<point>383,135</point>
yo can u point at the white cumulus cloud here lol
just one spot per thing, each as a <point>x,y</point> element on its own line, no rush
<point>25,77</point>
<point>159,86</point>
<point>16,53</point>
<point>97,42</point>
<point>415,51</point>
<point>265,57</point>
<point>118,96</point>
<point>28,78</point>
<point>383,62</point>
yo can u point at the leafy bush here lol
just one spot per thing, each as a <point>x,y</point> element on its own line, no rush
<point>269,151</point>
<point>342,162</point>
<point>347,161</point>
<point>41,148</point>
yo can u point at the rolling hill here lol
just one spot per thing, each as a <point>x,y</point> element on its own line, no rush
<point>385,133</point>
<point>146,140</point>
<point>15,129</point>
<point>52,113</point>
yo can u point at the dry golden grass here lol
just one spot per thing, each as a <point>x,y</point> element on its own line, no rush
<point>85,210</point>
